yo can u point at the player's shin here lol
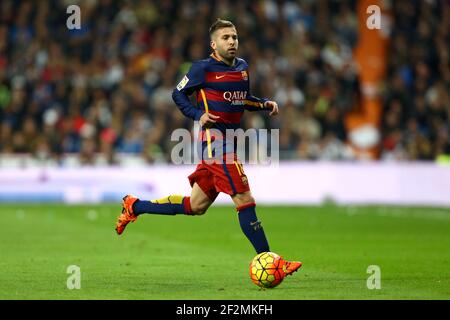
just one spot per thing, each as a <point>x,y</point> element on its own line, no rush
<point>252,227</point>
<point>171,205</point>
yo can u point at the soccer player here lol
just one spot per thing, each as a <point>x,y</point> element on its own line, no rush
<point>221,83</point>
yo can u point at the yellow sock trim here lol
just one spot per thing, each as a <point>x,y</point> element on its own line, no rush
<point>174,198</point>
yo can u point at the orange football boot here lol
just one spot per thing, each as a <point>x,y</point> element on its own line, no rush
<point>127,214</point>
<point>289,267</point>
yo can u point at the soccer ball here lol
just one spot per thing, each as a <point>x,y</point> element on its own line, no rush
<point>266,270</point>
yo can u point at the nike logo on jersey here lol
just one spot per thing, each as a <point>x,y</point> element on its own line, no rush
<point>220,77</point>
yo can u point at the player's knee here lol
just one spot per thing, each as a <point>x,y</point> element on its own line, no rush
<point>243,199</point>
<point>200,212</point>
<point>199,209</point>
<point>249,199</point>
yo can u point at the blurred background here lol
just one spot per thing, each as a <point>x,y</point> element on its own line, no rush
<point>104,90</point>
<point>101,95</point>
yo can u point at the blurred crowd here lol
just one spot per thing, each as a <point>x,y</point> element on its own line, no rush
<point>105,89</point>
<point>416,115</point>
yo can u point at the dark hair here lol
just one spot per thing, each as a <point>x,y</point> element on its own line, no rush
<point>220,24</point>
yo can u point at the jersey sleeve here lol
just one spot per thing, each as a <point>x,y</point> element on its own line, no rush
<point>192,81</point>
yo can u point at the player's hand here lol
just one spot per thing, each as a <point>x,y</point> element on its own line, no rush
<point>208,119</point>
<point>272,105</point>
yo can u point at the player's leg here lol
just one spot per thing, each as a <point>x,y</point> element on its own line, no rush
<point>231,179</point>
<point>170,205</point>
<point>132,207</point>
<point>250,225</point>
<point>196,204</point>
<point>200,202</point>
<point>202,196</point>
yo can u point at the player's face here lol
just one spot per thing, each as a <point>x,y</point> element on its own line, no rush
<point>225,42</point>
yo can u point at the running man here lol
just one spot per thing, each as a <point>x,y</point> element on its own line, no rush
<point>221,84</point>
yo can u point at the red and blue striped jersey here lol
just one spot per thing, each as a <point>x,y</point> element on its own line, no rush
<point>226,88</point>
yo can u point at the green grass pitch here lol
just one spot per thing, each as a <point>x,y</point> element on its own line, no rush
<point>207,257</point>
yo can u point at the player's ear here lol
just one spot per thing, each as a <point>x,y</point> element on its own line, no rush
<point>213,45</point>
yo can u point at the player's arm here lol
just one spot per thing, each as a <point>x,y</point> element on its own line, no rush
<point>191,82</point>
<point>253,103</point>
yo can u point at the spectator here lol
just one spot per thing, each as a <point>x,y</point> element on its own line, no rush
<point>105,89</point>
